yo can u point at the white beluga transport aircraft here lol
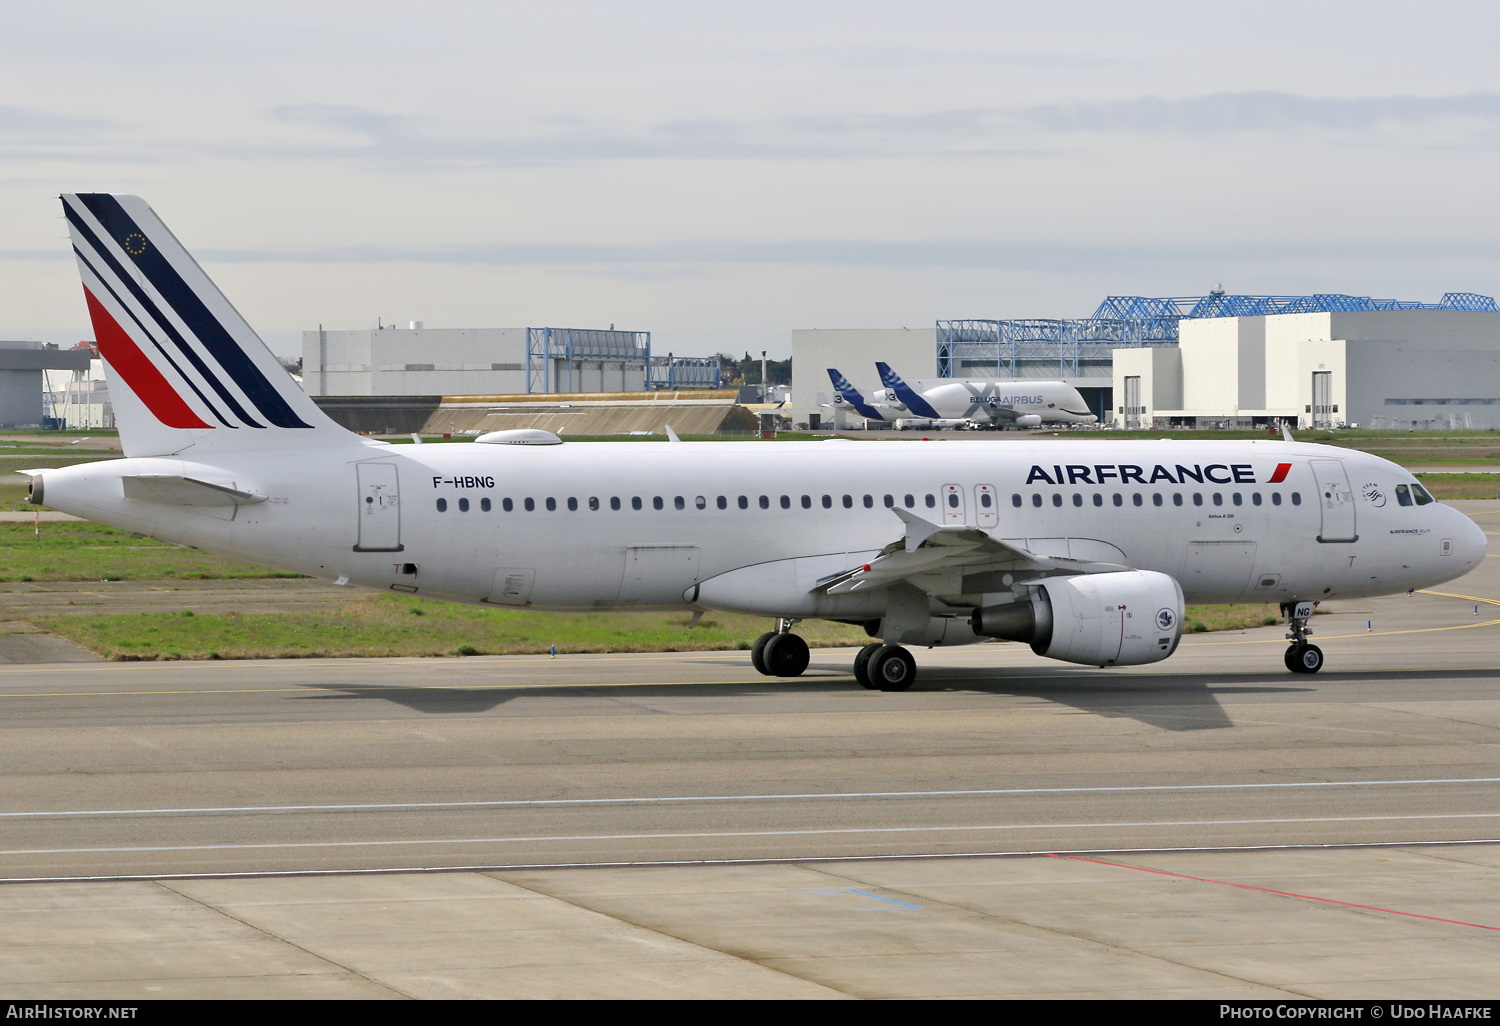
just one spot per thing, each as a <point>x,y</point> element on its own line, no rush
<point>964,403</point>
<point>982,403</point>
<point>1085,550</point>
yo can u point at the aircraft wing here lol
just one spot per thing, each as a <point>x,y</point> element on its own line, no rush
<point>928,553</point>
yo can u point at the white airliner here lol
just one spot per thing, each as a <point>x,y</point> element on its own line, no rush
<point>964,403</point>
<point>1084,550</point>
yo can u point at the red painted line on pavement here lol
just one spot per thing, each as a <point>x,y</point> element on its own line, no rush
<point>1284,894</point>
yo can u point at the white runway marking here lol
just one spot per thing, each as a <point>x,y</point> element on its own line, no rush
<point>675,799</point>
<point>742,833</point>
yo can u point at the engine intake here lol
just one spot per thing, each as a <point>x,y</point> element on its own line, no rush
<point>1124,618</point>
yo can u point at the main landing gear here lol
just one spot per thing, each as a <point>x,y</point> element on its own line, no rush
<point>881,667</point>
<point>1300,657</point>
<point>780,653</point>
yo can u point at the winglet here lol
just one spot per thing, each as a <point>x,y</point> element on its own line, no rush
<point>1286,433</point>
<point>671,435</point>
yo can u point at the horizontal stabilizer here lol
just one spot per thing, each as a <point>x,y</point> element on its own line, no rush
<point>176,490</point>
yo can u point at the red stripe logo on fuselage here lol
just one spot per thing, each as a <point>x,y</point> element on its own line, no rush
<point>1280,475</point>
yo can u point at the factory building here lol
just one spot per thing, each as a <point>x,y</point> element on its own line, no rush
<point>417,361</point>
<point>1398,368</point>
<point>1212,360</point>
<point>22,367</point>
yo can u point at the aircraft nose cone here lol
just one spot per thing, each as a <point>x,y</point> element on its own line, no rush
<point>1470,540</point>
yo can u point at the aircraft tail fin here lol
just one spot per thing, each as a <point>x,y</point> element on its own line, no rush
<point>849,394</point>
<point>184,368</point>
<point>908,396</point>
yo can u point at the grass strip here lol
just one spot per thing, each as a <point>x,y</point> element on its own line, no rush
<point>81,551</point>
<point>392,625</point>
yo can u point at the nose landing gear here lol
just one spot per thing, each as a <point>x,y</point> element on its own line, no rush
<point>1300,657</point>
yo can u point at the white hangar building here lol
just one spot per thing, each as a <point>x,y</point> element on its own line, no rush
<point>421,361</point>
<point>1388,368</point>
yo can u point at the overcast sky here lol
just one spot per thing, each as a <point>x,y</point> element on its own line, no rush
<point>721,174</point>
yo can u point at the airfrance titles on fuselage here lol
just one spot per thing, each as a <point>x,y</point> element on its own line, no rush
<point>1131,473</point>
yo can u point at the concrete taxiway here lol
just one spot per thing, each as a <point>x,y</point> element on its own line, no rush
<point>1211,826</point>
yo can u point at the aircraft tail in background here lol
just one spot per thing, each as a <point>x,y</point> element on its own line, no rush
<point>909,397</point>
<point>846,392</point>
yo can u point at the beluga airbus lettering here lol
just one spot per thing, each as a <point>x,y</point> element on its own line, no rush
<point>1084,550</point>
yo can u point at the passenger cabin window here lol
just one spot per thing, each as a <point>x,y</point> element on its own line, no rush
<point>572,504</point>
<point>507,505</point>
<point>723,502</point>
<point>910,500</point>
<point>931,500</point>
<point>656,502</point>
<point>848,502</point>
<point>786,502</point>
<point>679,502</point>
<point>1297,499</point>
<point>1077,499</point>
<point>463,505</point>
<point>1156,499</point>
<point>614,503</point>
<point>1056,499</point>
<point>828,502</point>
<point>1036,498</point>
<point>484,504</point>
<point>1276,498</point>
<point>890,500</point>
<point>1177,498</point>
<point>984,500</point>
<point>1015,500</point>
<point>442,505</point>
<point>594,502</point>
<point>635,502</point>
<point>1098,499</point>
<point>530,505</point>
<point>807,502</point>
<point>551,505</point>
<point>744,502</point>
<point>869,502</point>
<point>765,502</point>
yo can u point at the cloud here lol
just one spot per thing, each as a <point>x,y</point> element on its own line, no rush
<point>1024,255</point>
<point>1222,113</point>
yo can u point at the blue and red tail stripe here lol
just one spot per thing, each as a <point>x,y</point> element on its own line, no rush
<point>184,302</point>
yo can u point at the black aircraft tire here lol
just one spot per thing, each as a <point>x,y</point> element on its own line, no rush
<point>785,655</point>
<point>1304,658</point>
<point>892,668</point>
<point>758,652</point>
<point>862,665</point>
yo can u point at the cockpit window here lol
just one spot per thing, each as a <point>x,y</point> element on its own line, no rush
<point>1403,495</point>
<point>1421,495</point>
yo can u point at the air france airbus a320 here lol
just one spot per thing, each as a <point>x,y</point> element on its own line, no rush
<point>1084,550</point>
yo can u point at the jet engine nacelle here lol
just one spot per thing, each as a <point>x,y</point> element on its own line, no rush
<point>1124,618</point>
<point>1029,420</point>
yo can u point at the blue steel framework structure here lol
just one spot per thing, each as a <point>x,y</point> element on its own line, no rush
<point>1129,321</point>
<point>552,353</point>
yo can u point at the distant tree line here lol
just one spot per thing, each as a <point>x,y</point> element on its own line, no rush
<point>747,370</point>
